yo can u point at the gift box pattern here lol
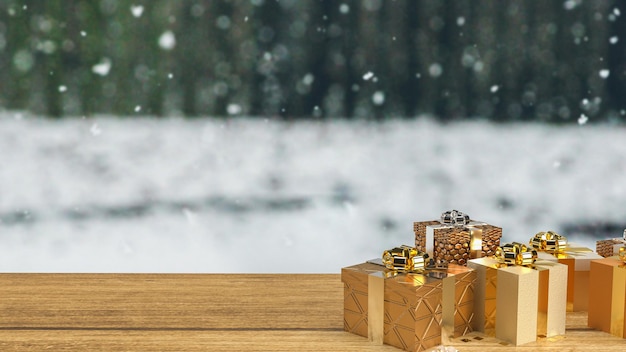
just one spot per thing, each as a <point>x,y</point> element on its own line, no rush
<point>609,248</point>
<point>355,301</point>
<point>415,316</point>
<point>451,244</point>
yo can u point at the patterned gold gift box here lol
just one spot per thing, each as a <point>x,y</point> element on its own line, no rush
<point>456,242</point>
<point>518,303</point>
<point>609,248</point>
<point>412,311</point>
<point>607,296</point>
<point>576,257</point>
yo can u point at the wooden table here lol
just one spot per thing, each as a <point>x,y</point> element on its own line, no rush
<point>207,312</point>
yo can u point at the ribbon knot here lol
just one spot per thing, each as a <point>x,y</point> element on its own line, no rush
<point>549,241</point>
<point>454,217</point>
<point>516,254</point>
<point>404,258</point>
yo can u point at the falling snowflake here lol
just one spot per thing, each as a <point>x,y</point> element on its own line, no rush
<point>378,98</point>
<point>103,67</point>
<point>617,12</point>
<point>138,108</point>
<point>613,40</point>
<point>582,119</point>
<point>190,216</point>
<point>83,33</point>
<point>460,21</point>
<point>95,129</point>
<point>604,73</point>
<point>170,75</point>
<point>435,70</point>
<point>167,40</point>
<point>62,89</point>
<point>368,75</point>
<point>494,88</point>
<point>344,8</point>
<point>136,10</point>
<point>234,109</point>
<point>308,79</point>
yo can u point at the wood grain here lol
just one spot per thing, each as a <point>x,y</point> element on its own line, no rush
<point>207,312</point>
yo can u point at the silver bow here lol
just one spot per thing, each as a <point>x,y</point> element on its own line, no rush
<point>455,218</point>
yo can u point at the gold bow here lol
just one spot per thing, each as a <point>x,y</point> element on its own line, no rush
<point>549,241</point>
<point>516,254</point>
<point>622,254</point>
<point>404,258</point>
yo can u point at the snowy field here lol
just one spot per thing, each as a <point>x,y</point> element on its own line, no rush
<point>251,195</point>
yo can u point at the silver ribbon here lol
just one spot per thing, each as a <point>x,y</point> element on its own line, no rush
<point>455,218</point>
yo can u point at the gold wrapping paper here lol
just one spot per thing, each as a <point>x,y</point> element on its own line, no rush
<point>577,259</point>
<point>607,296</point>
<point>412,304</point>
<point>543,284</point>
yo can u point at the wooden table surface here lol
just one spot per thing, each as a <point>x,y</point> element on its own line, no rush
<point>208,312</point>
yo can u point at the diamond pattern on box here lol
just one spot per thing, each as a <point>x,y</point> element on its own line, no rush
<point>355,305</point>
<point>464,303</point>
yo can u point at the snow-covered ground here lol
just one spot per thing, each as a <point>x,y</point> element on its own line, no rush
<point>252,195</point>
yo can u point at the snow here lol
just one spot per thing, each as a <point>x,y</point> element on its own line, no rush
<point>604,73</point>
<point>103,67</point>
<point>257,195</point>
<point>378,98</point>
<point>136,10</point>
<point>167,40</point>
<point>435,70</point>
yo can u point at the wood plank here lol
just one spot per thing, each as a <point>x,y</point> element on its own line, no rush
<point>171,301</point>
<point>209,312</point>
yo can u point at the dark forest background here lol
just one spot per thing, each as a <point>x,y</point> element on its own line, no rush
<point>503,60</point>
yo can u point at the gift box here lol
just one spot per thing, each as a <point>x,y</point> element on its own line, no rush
<point>609,248</point>
<point>457,240</point>
<point>518,303</point>
<point>577,258</point>
<point>412,311</point>
<point>607,296</point>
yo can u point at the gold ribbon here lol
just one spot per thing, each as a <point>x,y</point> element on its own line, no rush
<point>549,241</point>
<point>622,254</point>
<point>516,254</point>
<point>404,258</point>
<point>555,244</point>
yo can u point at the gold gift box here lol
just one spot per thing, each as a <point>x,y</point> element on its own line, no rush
<point>578,263</point>
<point>411,311</point>
<point>517,303</point>
<point>609,248</point>
<point>456,244</point>
<point>607,296</point>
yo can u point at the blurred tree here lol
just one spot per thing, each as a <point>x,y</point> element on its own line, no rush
<point>507,60</point>
<point>616,60</point>
<point>17,56</point>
